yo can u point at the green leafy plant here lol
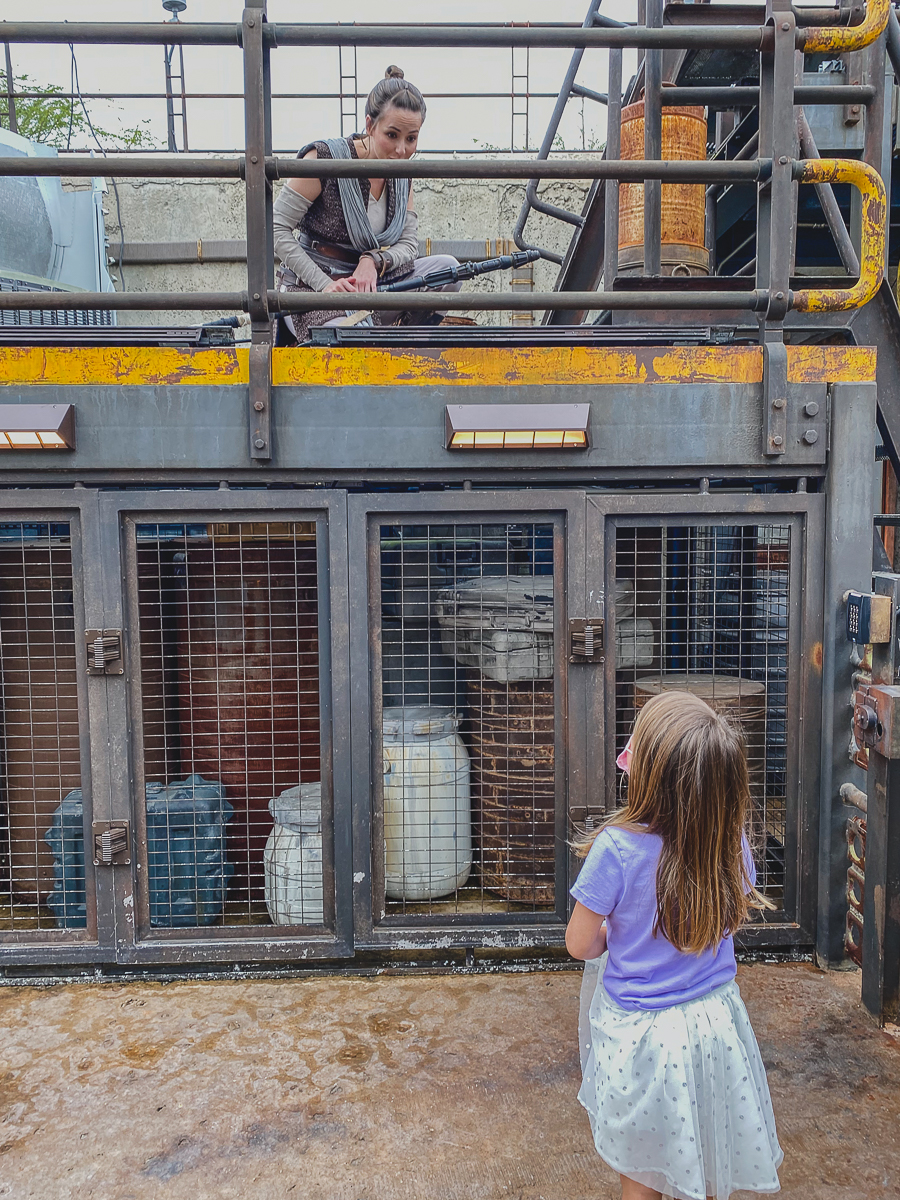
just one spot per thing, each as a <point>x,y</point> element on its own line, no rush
<point>55,120</point>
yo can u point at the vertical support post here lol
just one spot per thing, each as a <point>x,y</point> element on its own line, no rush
<point>613,153</point>
<point>653,144</point>
<point>881,898</point>
<point>848,565</point>
<point>10,94</point>
<point>260,235</point>
<point>777,138</point>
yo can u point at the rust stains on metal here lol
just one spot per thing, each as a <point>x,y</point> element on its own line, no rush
<point>815,657</point>
<point>874,231</point>
<point>841,39</point>
<point>79,366</point>
<point>361,366</point>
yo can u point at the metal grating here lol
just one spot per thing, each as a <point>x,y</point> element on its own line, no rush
<point>229,634</point>
<point>42,874</point>
<point>49,316</point>
<point>468,669</point>
<point>705,608</point>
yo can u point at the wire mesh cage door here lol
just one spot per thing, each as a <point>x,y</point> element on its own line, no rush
<point>721,606</point>
<point>467,722</point>
<point>46,880</point>
<point>233,676</point>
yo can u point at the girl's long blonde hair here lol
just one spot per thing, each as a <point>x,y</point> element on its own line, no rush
<point>688,782</point>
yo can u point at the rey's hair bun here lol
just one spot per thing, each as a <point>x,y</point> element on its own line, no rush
<point>394,90</point>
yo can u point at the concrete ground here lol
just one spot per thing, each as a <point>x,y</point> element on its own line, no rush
<point>415,1088</point>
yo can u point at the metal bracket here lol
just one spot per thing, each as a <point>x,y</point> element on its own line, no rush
<point>775,397</point>
<point>586,641</point>
<point>586,817</point>
<point>104,651</point>
<point>874,721</point>
<point>260,393</point>
<point>112,843</point>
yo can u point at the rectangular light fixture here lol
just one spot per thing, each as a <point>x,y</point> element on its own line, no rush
<point>517,426</point>
<point>37,427</point>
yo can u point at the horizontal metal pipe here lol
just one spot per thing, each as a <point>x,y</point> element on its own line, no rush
<point>747,97</point>
<point>122,301</point>
<point>578,89</point>
<point>672,171</point>
<point>499,301</point>
<point>124,33</point>
<point>181,166</point>
<point>413,301</point>
<point>752,14</point>
<point>752,37</point>
<point>161,166</point>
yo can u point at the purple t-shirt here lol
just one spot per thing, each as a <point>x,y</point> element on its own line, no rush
<point>618,881</point>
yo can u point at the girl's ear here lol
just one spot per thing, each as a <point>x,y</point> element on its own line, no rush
<point>370,124</point>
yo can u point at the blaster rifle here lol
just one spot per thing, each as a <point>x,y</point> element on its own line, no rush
<point>440,278</point>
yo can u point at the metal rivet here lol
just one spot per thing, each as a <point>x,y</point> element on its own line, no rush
<point>253,158</point>
<point>854,108</point>
<point>784,160</point>
<point>256,296</point>
<point>784,26</point>
<point>251,23</point>
<point>810,437</point>
<point>778,402</point>
<point>811,409</point>
<point>259,443</point>
<point>259,406</point>
<point>777,440</point>
<point>779,295</point>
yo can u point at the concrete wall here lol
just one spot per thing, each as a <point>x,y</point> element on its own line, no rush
<point>187,210</point>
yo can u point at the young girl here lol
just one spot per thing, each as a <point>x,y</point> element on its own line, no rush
<point>673,1081</point>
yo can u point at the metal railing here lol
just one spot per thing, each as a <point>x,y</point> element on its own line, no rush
<point>774,171</point>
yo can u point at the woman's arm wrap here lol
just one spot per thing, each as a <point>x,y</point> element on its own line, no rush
<point>406,249</point>
<point>288,211</point>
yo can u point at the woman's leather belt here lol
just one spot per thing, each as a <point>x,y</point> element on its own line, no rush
<point>330,249</point>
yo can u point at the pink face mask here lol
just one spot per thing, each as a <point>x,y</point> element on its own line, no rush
<point>623,762</point>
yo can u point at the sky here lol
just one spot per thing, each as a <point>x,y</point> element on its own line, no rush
<point>217,124</point>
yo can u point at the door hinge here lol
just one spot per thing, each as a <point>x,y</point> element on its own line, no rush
<point>104,651</point>
<point>112,843</point>
<point>586,641</point>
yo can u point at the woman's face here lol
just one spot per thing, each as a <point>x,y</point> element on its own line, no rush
<point>395,134</point>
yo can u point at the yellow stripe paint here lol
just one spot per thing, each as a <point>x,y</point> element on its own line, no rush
<point>356,366</point>
<point>78,366</point>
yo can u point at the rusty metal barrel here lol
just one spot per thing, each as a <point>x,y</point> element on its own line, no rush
<point>741,701</point>
<point>249,683</point>
<point>511,735</point>
<point>683,225</point>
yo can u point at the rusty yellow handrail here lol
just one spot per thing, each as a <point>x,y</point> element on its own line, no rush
<point>839,39</point>
<point>872,247</point>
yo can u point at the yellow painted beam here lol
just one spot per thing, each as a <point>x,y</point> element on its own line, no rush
<point>116,366</point>
<point>357,366</point>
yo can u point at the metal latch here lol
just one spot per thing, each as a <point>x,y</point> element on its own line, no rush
<point>104,651</point>
<point>586,641</point>
<point>112,843</point>
<point>876,718</point>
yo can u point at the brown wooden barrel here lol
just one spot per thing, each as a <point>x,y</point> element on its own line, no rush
<point>511,738</point>
<point>683,220</point>
<point>248,669</point>
<point>742,701</point>
<point>40,707</point>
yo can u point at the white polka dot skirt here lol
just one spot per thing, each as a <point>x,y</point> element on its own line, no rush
<point>678,1098</point>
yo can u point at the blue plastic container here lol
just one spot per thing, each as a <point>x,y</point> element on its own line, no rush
<point>65,837</point>
<point>187,868</point>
